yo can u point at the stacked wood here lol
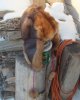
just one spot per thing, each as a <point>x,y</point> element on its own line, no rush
<point>10,80</point>
<point>10,30</point>
<point>10,24</point>
<point>7,74</point>
<point>11,45</point>
<point>6,95</point>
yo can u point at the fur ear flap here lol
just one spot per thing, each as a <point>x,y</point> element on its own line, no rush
<point>56,41</point>
<point>45,28</point>
<point>52,21</point>
<point>55,30</point>
<point>26,23</point>
<point>37,62</point>
<point>54,24</point>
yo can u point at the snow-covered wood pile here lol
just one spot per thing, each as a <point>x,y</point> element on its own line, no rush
<point>10,24</point>
<point>10,32</point>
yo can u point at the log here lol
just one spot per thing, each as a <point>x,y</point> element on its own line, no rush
<point>5,71</point>
<point>13,35</point>
<point>7,95</point>
<point>28,81</point>
<point>9,74</point>
<point>69,69</point>
<point>9,87</point>
<point>10,35</point>
<point>11,45</point>
<point>10,80</point>
<point>10,24</point>
<point>74,9</point>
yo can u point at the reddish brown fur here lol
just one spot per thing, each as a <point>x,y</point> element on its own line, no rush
<point>46,29</point>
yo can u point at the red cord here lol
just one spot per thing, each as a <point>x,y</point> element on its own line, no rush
<point>33,78</point>
<point>55,86</point>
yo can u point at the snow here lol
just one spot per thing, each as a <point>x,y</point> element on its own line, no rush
<point>67,27</point>
<point>15,5</point>
<point>1,38</point>
<point>18,6</point>
<point>8,99</point>
<point>12,15</point>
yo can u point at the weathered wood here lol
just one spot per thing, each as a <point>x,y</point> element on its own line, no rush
<point>10,24</point>
<point>11,45</point>
<point>6,95</point>
<point>5,71</point>
<point>11,28</point>
<point>10,80</point>
<point>10,88</point>
<point>13,35</point>
<point>10,35</point>
<point>70,69</point>
<point>74,5</point>
<point>25,81</point>
<point>8,74</point>
<point>74,9</point>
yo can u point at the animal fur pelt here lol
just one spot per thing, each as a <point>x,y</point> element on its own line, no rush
<point>37,27</point>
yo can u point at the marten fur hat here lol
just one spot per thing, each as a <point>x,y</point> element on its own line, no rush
<point>37,27</point>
